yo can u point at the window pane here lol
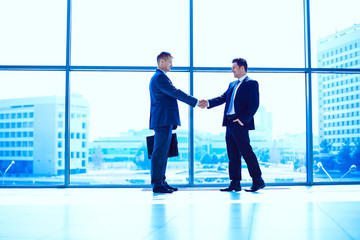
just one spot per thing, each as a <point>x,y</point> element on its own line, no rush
<point>266,33</point>
<point>336,101</point>
<point>29,107</point>
<point>335,34</point>
<point>32,32</point>
<point>279,136</point>
<point>114,110</point>
<point>129,33</point>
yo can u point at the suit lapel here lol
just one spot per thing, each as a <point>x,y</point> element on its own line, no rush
<point>242,84</point>
<point>237,91</point>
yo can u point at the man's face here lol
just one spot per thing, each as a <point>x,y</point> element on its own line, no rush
<point>238,71</point>
<point>166,64</point>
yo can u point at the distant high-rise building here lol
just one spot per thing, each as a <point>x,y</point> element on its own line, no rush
<point>263,134</point>
<point>32,134</point>
<point>339,101</point>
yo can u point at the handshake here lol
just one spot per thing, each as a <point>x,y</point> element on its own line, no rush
<point>203,103</point>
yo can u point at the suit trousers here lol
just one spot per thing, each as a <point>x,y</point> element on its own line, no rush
<point>238,145</point>
<point>162,140</point>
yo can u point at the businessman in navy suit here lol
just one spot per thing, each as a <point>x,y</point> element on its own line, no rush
<point>164,117</point>
<point>241,103</point>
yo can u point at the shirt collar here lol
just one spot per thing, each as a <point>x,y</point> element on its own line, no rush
<point>162,70</point>
<point>242,78</point>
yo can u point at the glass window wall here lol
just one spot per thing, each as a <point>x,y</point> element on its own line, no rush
<point>109,107</point>
<point>279,136</point>
<point>109,125</point>
<point>336,130</point>
<point>31,117</point>
<point>129,33</point>
<point>32,32</point>
<point>266,33</point>
<point>335,34</point>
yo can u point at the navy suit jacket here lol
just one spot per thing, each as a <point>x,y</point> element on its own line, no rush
<point>164,109</point>
<point>246,102</point>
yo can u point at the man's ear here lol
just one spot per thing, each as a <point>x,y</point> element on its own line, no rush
<point>161,62</point>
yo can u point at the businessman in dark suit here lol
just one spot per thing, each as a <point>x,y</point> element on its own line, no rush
<point>242,102</point>
<point>164,117</point>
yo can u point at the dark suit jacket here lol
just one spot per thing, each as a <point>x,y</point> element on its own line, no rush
<point>246,102</point>
<point>164,109</point>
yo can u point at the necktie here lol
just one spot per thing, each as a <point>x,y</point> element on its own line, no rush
<point>232,97</point>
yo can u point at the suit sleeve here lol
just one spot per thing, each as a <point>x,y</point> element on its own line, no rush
<point>218,100</point>
<point>168,88</point>
<point>253,103</point>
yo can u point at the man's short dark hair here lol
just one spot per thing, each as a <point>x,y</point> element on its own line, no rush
<point>163,55</point>
<point>241,62</point>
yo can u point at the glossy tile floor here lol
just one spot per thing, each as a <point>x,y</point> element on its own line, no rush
<point>318,212</point>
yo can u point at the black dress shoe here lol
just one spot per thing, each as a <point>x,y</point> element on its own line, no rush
<point>260,184</point>
<point>234,186</point>
<point>162,189</point>
<point>229,189</point>
<point>170,187</point>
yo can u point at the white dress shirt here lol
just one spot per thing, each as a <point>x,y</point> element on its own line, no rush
<point>232,110</point>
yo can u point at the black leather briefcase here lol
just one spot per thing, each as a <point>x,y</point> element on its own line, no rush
<point>173,151</point>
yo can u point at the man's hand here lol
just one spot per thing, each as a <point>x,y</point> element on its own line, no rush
<point>238,121</point>
<point>203,103</point>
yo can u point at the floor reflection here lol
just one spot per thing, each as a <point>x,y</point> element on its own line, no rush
<point>321,212</point>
